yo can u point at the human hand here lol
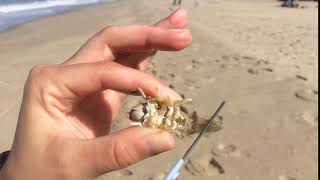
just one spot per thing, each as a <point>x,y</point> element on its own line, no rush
<point>68,109</point>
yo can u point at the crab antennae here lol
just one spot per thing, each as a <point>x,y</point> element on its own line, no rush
<point>186,155</point>
<point>140,91</point>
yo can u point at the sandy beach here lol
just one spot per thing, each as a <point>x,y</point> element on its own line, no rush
<point>260,58</point>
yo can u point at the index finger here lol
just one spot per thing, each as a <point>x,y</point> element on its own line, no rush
<point>82,80</point>
<point>115,40</point>
<point>136,38</point>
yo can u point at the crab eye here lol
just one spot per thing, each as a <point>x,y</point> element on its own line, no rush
<point>137,114</point>
<point>138,107</point>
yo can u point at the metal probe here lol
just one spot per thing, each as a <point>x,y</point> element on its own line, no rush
<point>174,172</point>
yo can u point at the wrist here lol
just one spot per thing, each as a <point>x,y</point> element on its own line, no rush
<point>4,173</point>
<point>9,170</point>
<point>3,158</point>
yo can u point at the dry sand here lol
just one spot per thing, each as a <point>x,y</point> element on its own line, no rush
<point>261,58</point>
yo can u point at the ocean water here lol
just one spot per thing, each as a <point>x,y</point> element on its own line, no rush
<point>14,12</point>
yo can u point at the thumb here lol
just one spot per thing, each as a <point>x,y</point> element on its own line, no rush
<point>177,20</point>
<point>124,148</point>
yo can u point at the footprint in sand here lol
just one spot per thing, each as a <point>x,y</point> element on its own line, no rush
<point>297,67</point>
<point>189,68</point>
<point>217,60</point>
<point>224,66</point>
<point>172,75</point>
<point>310,117</point>
<point>211,79</point>
<point>159,176</point>
<point>190,82</point>
<point>306,95</point>
<point>303,78</point>
<point>267,69</point>
<point>286,178</point>
<point>154,72</point>
<point>171,86</point>
<point>163,77</point>
<point>248,58</point>
<point>316,92</point>
<point>236,58</point>
<point>171,64</point>
<point>253,71</point>
<point>126,172</point>
<point>197,61</point>
<point>204,165</point>
<point>195,47</point>
<point>191,88</point>
<point>262,62</point>
<point>225,58</point>
<point>228,150</point>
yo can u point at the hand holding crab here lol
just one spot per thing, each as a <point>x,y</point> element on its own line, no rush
<point>68,109</point>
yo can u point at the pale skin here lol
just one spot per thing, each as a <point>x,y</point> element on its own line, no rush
<point>67,111</point>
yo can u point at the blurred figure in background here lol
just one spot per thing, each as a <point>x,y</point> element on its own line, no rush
<point>176,2</point>
<point>179,2</point>
<point>290,3</point>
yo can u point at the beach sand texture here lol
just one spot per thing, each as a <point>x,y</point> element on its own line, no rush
<point>260,58</point>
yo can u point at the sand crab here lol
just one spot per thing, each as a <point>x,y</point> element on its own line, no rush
<point>166,114</point>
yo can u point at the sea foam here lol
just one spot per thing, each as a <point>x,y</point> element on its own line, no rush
<point>19,11</point>
<point>17,7</point>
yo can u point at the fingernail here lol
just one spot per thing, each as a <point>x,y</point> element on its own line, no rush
<point>174,95</point>
<point>176,11</point>
<point>179,31</point>
<point>170,92</point>
<point>158,142</point>
<point>176,16</point>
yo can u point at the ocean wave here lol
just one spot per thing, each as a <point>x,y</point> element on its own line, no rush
<point>36,5</point>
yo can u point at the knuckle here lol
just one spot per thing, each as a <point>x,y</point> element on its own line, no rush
<point>39,70</point>
<point>40,82</point>
<point>103,68</point>
<point>39,73</point>
<point>36,76</point>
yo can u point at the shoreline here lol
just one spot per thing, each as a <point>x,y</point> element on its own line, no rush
<point>60,12</point>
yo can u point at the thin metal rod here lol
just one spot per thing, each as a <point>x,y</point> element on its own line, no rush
<point>196,141</point>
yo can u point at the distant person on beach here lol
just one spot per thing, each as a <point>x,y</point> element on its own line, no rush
<point>176,2</point>
<point>179,2</point>
<point>290,3</point>
<point>68,109</point>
